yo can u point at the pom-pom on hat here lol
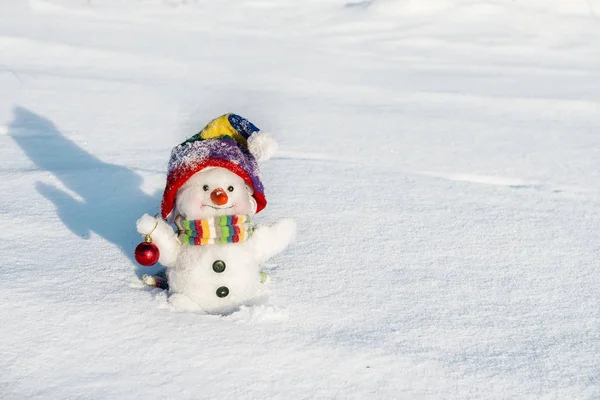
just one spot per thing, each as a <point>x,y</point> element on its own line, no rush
<point>230,142</point>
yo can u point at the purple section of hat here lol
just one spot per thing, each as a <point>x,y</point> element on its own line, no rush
<point>188,154</point>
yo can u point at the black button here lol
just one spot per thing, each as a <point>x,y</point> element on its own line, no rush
<point>222,291</point>
<point>219,266</point>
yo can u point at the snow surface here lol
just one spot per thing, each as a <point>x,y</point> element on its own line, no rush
<point>441,157</point>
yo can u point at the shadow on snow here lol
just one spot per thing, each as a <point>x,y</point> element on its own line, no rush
<point>111,199</point>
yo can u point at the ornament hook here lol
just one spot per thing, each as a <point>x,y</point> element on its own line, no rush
<point>148,237</point>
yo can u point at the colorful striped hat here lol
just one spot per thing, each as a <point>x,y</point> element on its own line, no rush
<point>230,142</point>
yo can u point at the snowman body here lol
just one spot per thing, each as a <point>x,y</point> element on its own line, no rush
<point>217,277</point>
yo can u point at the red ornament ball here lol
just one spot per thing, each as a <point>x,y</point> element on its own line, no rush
<point>146,254</point>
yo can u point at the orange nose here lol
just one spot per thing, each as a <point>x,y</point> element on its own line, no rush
<point>219,197</point>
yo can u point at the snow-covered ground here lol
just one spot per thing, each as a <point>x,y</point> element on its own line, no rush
<point>442,159</point>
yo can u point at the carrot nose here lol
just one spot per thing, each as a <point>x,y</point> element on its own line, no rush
<point>219,197</point>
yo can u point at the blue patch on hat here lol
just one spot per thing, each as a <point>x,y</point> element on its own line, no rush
<point>242,125</point>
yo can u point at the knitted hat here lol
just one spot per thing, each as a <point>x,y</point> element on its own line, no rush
<point>230,142</point>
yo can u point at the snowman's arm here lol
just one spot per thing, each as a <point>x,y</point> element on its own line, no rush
<point>272,240</point>
<point>163,236</point>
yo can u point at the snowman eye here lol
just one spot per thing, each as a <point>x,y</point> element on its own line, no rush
<point>230,188</point>
<point>205,187</point>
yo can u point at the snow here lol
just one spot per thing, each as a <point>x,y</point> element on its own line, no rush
<point>440,158</point>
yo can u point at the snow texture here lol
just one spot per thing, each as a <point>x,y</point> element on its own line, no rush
<point>441,158</point>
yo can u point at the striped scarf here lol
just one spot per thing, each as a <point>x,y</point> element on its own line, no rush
<point>223,229</point>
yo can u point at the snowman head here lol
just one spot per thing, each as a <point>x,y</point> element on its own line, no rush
<point>214,192</point>
<point>202,169</point>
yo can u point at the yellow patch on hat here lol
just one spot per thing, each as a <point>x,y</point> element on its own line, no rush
<point>221,127</point>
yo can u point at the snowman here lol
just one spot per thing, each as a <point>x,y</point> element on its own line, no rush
<point>213,189</point>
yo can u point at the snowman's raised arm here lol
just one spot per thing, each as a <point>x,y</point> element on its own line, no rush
<point>163,236</point>
<point>272,240</point>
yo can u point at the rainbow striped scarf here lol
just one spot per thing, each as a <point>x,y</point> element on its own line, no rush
<point>223,229</point>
